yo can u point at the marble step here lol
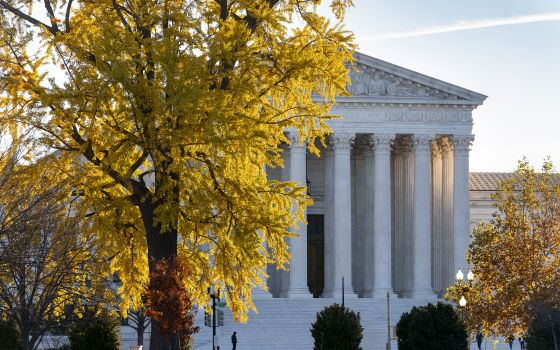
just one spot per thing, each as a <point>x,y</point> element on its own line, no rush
<point>283,324</point>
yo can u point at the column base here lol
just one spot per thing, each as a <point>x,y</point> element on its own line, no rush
<point>380,293</point>
<point>296,293</point>
<point>337,294</point>
<point>427,294</point>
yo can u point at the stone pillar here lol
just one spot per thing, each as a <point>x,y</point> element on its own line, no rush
<point>382,216</point>
<point>422,281</point>
<point>297,281</point>
<point>368,243</point>
<point>437,238</point>
<point>342,218</point>
<point>360,215</point>
<point>329,216</point>
<point>446,218</point>
<point>408,217</point>
<point>398,215</point>
<point>461,212</point>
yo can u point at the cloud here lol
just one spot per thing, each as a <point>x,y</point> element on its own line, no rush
<point>465,25</point>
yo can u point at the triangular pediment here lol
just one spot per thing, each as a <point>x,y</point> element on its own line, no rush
<point>380,80</point>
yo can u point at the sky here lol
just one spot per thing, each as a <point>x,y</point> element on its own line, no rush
<point>508,50</point>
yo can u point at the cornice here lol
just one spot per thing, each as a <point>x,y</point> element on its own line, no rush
<point>366,101</point>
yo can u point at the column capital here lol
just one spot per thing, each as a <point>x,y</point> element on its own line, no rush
<point>343,141</point>
<point>446,146</point>
<point>364,144</point>
<point>422,142</point>
<point>462,143</point>
<point>406,146</point>
<point>436,149</point>
<point>382,143</point>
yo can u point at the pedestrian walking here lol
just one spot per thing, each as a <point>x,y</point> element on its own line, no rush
<point>510,340</point>
<point>234,340</point>
<point>522,342</point>
<point>479,340</point>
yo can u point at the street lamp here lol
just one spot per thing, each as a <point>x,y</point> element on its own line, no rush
<point>459,275</point>
<point>464,287</point>
<point>214,296</point>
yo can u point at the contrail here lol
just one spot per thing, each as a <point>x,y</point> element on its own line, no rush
<point>465,25</point>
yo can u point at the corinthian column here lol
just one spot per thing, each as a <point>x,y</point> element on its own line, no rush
<point>461,212</point>
<point>382,216</point>
<point>437,238</point>
<point>342,218</point>
<point>368,243</point>
<point>297,281</point>
<point>398,215</point>
<point>407,238</point>
<point>447,210</point>
<point>422,281</point>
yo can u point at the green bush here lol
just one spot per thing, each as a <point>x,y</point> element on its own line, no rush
<point>543,330</point>
<point>431,327</point>
<point>97,333</point>
<point>9,335</point>
<point>337,328</point>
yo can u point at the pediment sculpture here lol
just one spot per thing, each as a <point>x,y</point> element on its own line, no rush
<point>370,82</point>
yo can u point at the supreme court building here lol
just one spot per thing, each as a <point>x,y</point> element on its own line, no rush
<point>391,190</point>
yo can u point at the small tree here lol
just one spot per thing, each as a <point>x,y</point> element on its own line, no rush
<point>97,332</point>
<point>431,327</point>
<point>48,264</point>
<point>169,305</point>
<point>515,256</point>
<point>337,328</point>
<point>139,321</point>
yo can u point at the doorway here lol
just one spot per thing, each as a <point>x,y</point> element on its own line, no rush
<point>315,253</point>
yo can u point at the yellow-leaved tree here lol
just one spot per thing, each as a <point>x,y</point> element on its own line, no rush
<point>516,256</point>
<point>165,114</point>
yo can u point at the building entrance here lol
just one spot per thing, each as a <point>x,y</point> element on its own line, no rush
<point>315,254</point>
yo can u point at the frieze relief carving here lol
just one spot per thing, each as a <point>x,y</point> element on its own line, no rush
<point>414,116</point>
<point>371,82</point>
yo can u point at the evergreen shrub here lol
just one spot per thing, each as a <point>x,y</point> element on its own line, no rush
<point>98,333</point>
<point>431,327</point>
<point>337,328</point>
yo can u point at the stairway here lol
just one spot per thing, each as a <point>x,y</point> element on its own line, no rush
<point>284,324</point>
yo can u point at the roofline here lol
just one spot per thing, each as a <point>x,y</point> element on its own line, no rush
<point>470,95</point>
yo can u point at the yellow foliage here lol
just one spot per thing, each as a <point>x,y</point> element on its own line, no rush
<point>165,113</point>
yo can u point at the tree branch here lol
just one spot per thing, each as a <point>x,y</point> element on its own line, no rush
<point>27,17</point>
<point>67,17</point>
<point>121,17</point>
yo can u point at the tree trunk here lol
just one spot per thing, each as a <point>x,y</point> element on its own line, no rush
<point>161,245</point>
<point>140,334</point>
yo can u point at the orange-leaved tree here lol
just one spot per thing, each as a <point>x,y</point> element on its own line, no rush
<point>516,256</point>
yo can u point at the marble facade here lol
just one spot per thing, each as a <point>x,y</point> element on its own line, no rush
<point>391,190</point>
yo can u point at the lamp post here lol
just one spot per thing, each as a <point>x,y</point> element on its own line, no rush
<point>214,296</point>
<point>464,288</point>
